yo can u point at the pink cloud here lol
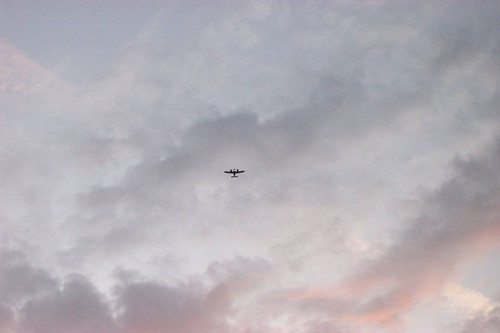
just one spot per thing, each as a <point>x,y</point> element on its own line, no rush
<point>458,223</point>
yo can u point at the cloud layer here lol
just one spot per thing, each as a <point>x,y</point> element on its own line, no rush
<point>369,135</point>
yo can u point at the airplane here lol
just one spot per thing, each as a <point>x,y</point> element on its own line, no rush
<point>234,172</point>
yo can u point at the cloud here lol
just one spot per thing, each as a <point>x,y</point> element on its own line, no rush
<point>334,109</point>
<point>341,126</point>
<point>21,75</point>
<point>155,308</point>
<point>457,223</point>
<point>19,280</point>
<point>34,301</point>
<point>76,307</point>
<point>205,302</point>
<point>488,323</point>
<point>466,300</point>
<point>6,318</point>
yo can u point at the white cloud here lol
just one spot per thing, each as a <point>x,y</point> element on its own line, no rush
<point>469,301</point>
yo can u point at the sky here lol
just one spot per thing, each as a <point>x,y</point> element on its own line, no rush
<point>369,132</point>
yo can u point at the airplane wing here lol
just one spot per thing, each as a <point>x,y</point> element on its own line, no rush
<point>228,172</point>
<point>240,171</point>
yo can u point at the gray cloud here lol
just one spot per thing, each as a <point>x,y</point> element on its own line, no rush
<point>19,280</point>
<point>457,223</point>
<point>488,323</point>
<point>334,109</point>
<point>156,308</point>
<point>6,318</point>
<point>205,302</point>
<point>188,307</point>
<point>77,307</point>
